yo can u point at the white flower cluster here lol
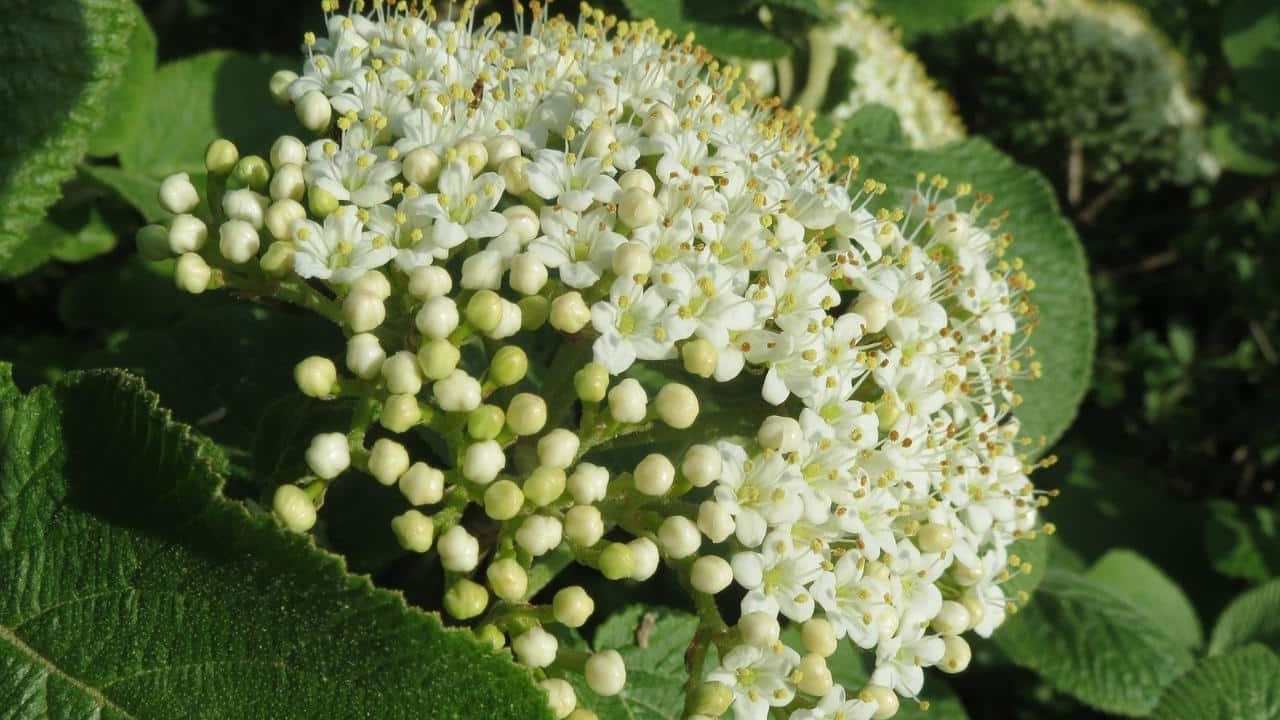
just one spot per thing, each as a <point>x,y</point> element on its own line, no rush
<point>887,73</point>
<point>601,185</point>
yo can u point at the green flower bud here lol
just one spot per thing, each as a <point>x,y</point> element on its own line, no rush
<point>414,530</point>
<point>503,500</point>
<point>251,172</point>
<point>321,202</point>
<point>712,699</point>
<point>700,357</point>
<point>400,412</point>
<point>221,157</point>
<point>316,376</point>
<point>509,366</point>
<point>526,414</point>
<point>484,310</point>
<point>277,261</point>
<point>489,633</point>
<point>591,382</point>
<point>616,562</point>
<point>534,311</point>
<point>466,599</point>
<point>572,606</point>
<point>485,422</point>
<point>438,358</point>
<point>508,580</point>
<point>545,485</point>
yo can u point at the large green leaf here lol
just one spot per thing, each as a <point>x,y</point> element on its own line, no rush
<point>133,589</point>
<point>1243,541</point>
<point>720,37</point>
<point>1251,42</point>
<point>1254,616</point>
<point>1048,244</point>
<point>916,16</point>
<point>67,234</point>
<point>59,60</point>
<point>1094,644</point>
<point>196,99</point>
<point>124,108</point>
<point>1243,685</point>
<point>1127,573</point>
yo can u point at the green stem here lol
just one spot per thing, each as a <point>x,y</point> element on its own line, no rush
<point>822,60</point>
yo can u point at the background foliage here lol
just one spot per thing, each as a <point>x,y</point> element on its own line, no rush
<point>1165,583</point>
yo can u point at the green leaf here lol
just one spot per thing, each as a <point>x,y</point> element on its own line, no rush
<point>124,107</point>
<point>874,124</point>
<point>656,674</point>
<point>1243,541</point>
<point>134,589</point>
<point>59,60</point>
<point>1035,553</point>
<point>721,38</point>
<point>1048,244</point>
<point>916,17</point>
<point>1243,685</point>
<point>1254,616</point>
<point>193,100</point>
<point>1092,643</point>
<point>67,234</point>
<point>1246,141</point>
<point>1129,574</point>
<point>1251,42</point>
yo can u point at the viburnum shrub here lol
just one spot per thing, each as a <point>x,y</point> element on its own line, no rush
<point>474,195</point>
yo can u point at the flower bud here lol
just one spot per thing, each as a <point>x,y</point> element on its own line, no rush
<point>388,460</point>
<point>482,461</point>
<point>314,111</point>
<point>616,561</point>
<point>544,485</point>
<point>510,323</point>
<point>875,311</point>
<point>526,414</point>
<point>711,574</point>
<point>503,500</point>
<point>288,184</point>
<point>400,371</point>
<point>482,270</point>
<point>490,635</point>
<point>885,700</point>
<point>815,676</point>
<point>187,234</point>
<point>250,172</point>
<point>639,208</point>
<point>661,119</point>
<point>700,357</point>
<point>459,551</point>
<point>321,202</point>
<point>437,318</point>
<point>192,274</point>
<point>485,422</point>
<point>328,455</point>
<point>365,356</point>
<point>677,406</point>
<point>654,475</point>
<point>178,195</point>
<point>315,376</point>
<point>569,313</point>
<point>628,402</point>
<point>515,174</point>
<point>956,654</point>
<point>238,241</point>
<point>500,149</point>
<point>279,86</point>
<point>509,366</point>
<point>600,142</point>
<point>591,382</point>
<point>528,274</point>
<point>535,648</point>
<point>459,392</point>
<point>414,530</point>
<point>679,536</point>
<point>363,311</point>
<point>430,282</point>
<point>606,673</point>
<point>572,606</point>
<point>715,521</point>
<point>293,506</point>
<point>400,412</point>
<point>438,359</point>
<point>277,261</point>
<point>588,484</point>
<point>583,525</point>
<point>539,534</point>
<point>534,311</point>
<point>221,156</point>
<point>421,166</point>
<point>558,448</point>
<point>952,618</point>
<point>374,283</point>
<point>473,153</point>
<point>637,178</point>
<point>964,575</point>
<point>759,628</point>
<point>153,242</point>
<point>508,580</point>
<point>466,599</point>
<point>632,258</point>
<point>644,558</point>
<point>281,216</point>
<point>819,637</point>
<point>287,150</point>
<point>560,697</point>
<point>245,205</point>
<point>422,484</point>
<point>522,223</point>
<point>935,538</point>
<point>484,310</point>
<point>780,433</point>
<point>712,699</point>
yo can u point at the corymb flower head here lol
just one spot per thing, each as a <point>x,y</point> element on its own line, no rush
<point>554,246</point>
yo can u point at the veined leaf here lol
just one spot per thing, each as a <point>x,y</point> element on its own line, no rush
<point>1254,617</point>
<point>1146,586</point>
<point>721,38</point>
<point>124,107</point>
<point>1242,685</point>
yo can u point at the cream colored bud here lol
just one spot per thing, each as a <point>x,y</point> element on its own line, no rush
<point>780,433</point>
<point>628,402</point>
<point>606,673</point>
<point>293,506</point>
<point>875,311</point>
<point>373,282</point>
<point>466,599</point>
<point>639,208</point>
<point>544,485</point>
<point>315,376</point>
<point>527,275</point>
<point>815,676</point>
<point>522,223</point>
<point>365,356</point>
<point>526,414</point>
<point>422,484</point>
<point>279,85</point>
<point>482,461</point>
<point>700,357</point>
<point>281,216</point>
<point>569,313</point>
<point>819,637</point>
<point>459,551</point>
<point>238,241</point>
<point>437,318</point>
<point>314,111</point>
<point>328,455</point>
<point>508,580</point>
<point>644,558</point>
<point>363,311</point>
<point>187,234</point>
<point>429,282</point>
<point>702,465</point>
<point>535,648</point>
<point>503,500</point>
<point>192,274</point>
<point>500,149</point>
<point>459,392</point>
<point>956,655</point>
<point>759,628</point>
<point>413,530</point>
<point>637,178</point>
<point>677,406</point>
<point>558,448</point>
<point>473,153</point>
<point>515,174</point>
<point>679,536</point>
<point>632,258</point>
<point>715,521</point>
<point>885,700</point>
<point>572,606</point>
<point>178,195</point>
<point>400,412</point>
<point>583,525</point>
<point>400,372</point>
<point>539,534</point>
<point>935,538</point>
<point>660,119</point>
<point>654,475</point>
<point>421,166</point>
<point>588,484</point>
<point>952,619</point>
<point>711,574</point>
<point>438,359</point>
<point>561,699</point>
<point>388,460</point>
<point>287,150</point>
<point>288,183</point>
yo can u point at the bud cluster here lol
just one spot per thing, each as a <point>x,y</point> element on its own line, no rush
<point>475,196</point>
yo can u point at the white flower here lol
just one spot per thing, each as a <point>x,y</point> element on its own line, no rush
<point>352,173</point>
<point>579,247</point>
<point>854,602</point>
<point>900,660</point>
<point>573,182</point>
<point>634,323</point>
<point>760,492</point>
<point>778,578</point>
<point>462,207</point>
<point>758,677</point>
<point>836,705</point>
<point>339,251</point>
